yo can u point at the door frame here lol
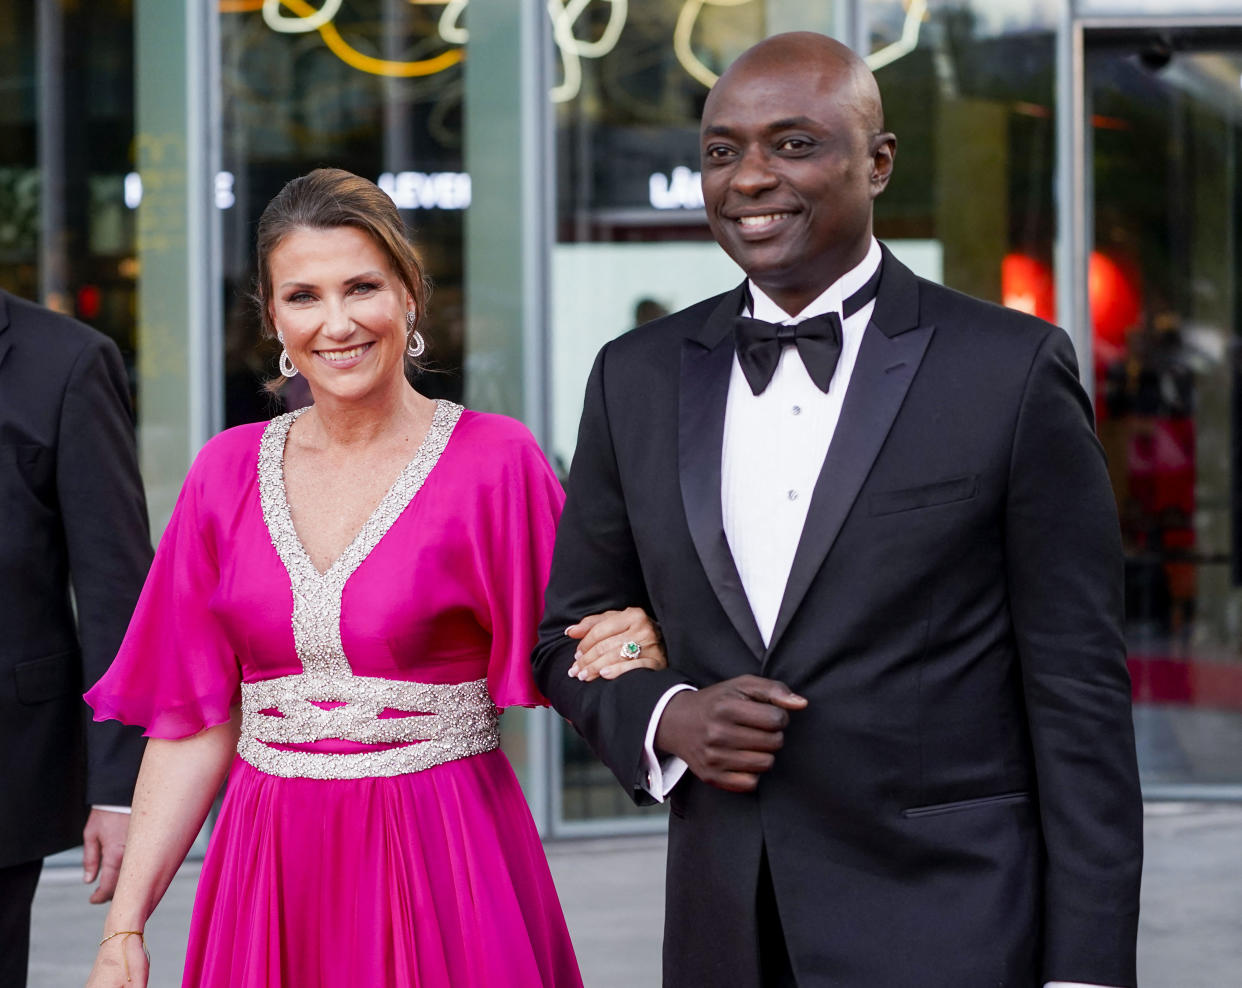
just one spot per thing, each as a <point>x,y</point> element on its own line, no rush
<point>1075,198</point>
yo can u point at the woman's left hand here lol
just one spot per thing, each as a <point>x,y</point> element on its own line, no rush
<point>606,644</point>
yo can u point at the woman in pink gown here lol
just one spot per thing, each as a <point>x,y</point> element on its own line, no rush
<point>372,832</point>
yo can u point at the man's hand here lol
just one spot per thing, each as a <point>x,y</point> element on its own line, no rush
<point>103,845</point>
<point>728,733</point>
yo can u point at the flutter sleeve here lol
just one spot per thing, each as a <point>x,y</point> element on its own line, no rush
<point>176,673</point>
<point>521,511</point>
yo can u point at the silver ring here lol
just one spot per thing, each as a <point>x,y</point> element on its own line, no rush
<point>631,650</point>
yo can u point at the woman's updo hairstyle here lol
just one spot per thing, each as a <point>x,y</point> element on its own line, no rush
<point>326,199</point>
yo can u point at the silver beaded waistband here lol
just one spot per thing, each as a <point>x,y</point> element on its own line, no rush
<point>449,721</point>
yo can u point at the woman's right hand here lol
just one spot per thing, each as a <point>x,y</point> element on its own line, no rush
<point>602,639</point>
<point>111,970</point>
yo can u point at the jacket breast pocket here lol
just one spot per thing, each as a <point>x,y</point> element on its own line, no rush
<point>25,455</point>
<point>26,472</point>
<point>47,678</point>
<point>924,496</point>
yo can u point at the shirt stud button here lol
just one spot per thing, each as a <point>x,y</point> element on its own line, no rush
<point>792,495</point>
<point>797,409</point>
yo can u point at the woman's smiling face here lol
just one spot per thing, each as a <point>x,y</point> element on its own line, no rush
<point>340,307</point>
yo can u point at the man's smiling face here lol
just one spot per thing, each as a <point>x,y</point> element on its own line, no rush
<point>792,157</point>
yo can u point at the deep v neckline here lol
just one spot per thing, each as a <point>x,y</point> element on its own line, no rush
<point>278,514</point>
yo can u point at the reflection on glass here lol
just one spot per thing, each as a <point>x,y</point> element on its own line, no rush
<point>1165,114</point>
<point>968,90</point>
<point>66,144</point>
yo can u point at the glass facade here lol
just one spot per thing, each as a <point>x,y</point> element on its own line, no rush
<point>969,91</point>
<point>545,159</point>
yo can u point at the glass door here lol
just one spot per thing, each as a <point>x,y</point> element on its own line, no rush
<point>1164,108</point>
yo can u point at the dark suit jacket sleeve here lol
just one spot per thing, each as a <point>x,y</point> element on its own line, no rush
<point>104,515</point>
<point>1064,560</point>
<point>596,568</point>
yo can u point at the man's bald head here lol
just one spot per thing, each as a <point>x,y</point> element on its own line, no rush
<point>816,57</point>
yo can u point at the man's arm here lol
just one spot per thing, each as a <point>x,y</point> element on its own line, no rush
<point>104,515</point>
<point>1064,576</point>
<point>727,732</point>
<point>596,568</point>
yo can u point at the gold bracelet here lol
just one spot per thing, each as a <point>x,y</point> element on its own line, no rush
<point>126,934</point>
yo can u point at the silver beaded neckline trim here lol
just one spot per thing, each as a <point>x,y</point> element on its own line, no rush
<point>317,596</point>
<point>456,720</point>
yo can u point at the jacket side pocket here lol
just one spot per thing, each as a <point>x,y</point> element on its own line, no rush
<point>960,805</point>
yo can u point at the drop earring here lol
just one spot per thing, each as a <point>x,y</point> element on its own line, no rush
<point>286,365</point>
<point>416,345</point>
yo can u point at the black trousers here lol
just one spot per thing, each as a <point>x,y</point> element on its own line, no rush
<point>17,890</point>
<point>775,969</point>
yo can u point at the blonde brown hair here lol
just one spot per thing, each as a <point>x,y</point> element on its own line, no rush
<point>326,199</point>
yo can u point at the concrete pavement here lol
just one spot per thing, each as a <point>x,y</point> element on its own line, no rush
<point>612,889</point>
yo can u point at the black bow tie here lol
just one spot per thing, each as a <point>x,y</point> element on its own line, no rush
<point>818,340</point>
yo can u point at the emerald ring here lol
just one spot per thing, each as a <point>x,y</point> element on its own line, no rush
<point>631,650</point>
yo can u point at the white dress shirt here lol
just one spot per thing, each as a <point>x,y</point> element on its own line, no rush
<point>775,443</point>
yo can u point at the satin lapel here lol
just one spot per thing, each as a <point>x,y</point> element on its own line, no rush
<point>882,374</point>
<point>706,362</point>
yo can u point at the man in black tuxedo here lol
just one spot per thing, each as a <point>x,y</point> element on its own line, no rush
<point>74,513</point>
<point>882,546</point>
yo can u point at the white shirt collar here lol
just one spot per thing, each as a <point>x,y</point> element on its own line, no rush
<point>830,300</point>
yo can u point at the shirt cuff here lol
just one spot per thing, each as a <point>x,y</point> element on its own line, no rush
<point>1071,984</point>
<point>113,809</point>
<point>661,775</point>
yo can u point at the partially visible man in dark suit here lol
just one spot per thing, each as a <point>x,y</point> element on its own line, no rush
<point>74,516</point>
<point>875,525</point>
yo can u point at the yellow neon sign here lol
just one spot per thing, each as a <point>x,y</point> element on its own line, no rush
<point>564,14</point>
<point>308,18</point>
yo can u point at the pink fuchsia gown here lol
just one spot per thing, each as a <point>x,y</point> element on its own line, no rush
<point>372,834</point>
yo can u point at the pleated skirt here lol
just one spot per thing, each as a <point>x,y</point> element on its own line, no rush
<point>427,880</point>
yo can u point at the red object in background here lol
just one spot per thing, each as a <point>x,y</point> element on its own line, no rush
<point>1027,285</point>
<point>1185,682</point>
<point>88,302</point>
<point>1112,290</point>
<point>1116,302</point>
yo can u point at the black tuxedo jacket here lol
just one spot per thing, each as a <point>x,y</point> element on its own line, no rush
<point>959,803</point>
<point>73,512</point>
